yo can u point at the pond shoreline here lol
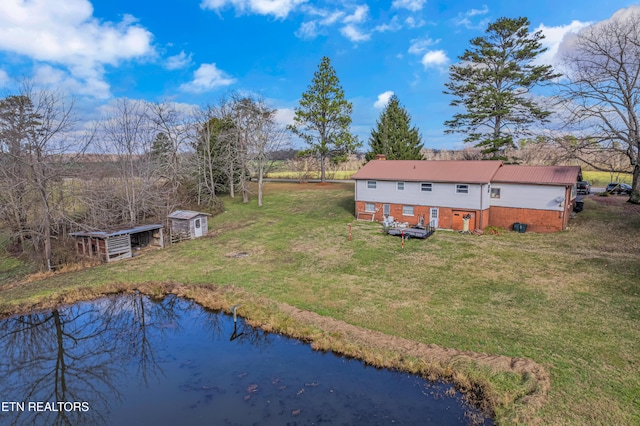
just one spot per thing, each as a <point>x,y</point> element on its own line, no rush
<point>430,361</point>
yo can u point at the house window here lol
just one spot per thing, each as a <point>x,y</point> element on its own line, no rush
<point>407,210</point>
<point>462,189</point>
<point>400,186</point>
<point>371,184</point>
<point>426,187</point>
<point>495,192</point>
<point>197,223</point>
<point>369,207</point>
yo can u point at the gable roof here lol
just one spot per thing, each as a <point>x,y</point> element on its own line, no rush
<point>471,171</point>
<point>540,175</point>
<point>186,214</point>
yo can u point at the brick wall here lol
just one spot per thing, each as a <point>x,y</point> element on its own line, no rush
<point>536,220</point>
<point>503,217</point>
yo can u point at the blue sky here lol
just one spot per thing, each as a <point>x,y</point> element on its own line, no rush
<point>194,52</point>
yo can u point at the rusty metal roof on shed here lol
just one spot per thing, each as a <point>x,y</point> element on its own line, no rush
<point>186,214</point>
<point>107,234</point>
<point>471,171</point>
<point>540,175</point>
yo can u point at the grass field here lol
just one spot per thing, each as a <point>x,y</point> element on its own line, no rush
<point>602,179</point>
<point>569,301</point>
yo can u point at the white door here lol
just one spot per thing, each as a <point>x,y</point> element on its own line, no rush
<point>433,222</point>
<point>197,228</point>
<point>386,209</point>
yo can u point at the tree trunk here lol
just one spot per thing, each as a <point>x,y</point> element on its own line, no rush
<point>635,192</point>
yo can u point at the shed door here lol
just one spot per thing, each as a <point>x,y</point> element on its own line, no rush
<point>457,224</point>
<point>197,225</point>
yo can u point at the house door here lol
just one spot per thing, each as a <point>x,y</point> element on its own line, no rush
<point>386,209</point>
<point>433,217</point>
<point>457,223</point>
<point>197,228</point>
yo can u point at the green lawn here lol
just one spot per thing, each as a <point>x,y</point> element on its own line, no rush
<point>570,301</point>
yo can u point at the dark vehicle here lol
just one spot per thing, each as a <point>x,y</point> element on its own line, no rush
<point>584,187</point>
<point>618,188</point>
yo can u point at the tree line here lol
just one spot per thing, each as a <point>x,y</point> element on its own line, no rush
<point>137,163</point>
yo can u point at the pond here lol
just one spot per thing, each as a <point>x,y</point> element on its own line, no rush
<point>130,359</point>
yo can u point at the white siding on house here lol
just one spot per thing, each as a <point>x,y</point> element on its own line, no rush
<point>441,194</point>
<point>540,197</point>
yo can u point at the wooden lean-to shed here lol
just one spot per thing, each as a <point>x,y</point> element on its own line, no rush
<point>120,244</point>
<point>187,224</point>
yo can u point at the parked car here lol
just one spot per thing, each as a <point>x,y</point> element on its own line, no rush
<point>584,187</point>
<point>618,188</point>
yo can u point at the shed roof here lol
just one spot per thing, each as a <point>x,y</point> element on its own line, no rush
<point>540,175</point>
<point>106,234</point>
<point>471,171</point>
<point>186,214</point>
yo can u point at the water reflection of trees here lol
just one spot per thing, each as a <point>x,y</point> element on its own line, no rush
<point>62,355</point>
<point>76,353</point>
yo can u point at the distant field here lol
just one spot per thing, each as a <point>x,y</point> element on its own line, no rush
<point>339,175</point>
<point>601,179</point>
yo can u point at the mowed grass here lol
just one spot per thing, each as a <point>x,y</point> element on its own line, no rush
<point>569,301</point>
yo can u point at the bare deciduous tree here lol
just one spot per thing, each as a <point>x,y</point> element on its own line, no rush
<point>128,133</point>
<point>602,63</point>
<point>35,136</point>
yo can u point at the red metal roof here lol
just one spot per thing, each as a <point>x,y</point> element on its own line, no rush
<point>541,175</point>
<point>471,171</point>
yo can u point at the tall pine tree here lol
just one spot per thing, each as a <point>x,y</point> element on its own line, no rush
<point>492,83</point>
<point>323,118</point>
<point>393,136</point>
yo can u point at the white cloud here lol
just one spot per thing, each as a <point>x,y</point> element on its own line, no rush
<point>358,16</point>
<point>475,12</point>
<point>566,47</point>
<point>463,18</point>
<point>435,59</point>
<point>308,30</point>
<point>89,85</point>
<point>278,8</point>
<point>412,5</point>
<point>350,30</point>
<point>420,45</point>
<point>383,99</point>
<point>412,23</point>
<point>207,77</point>
<point>285,116</point>
<point>181,60</point>
<point>354,34</point>
<point>65,34</point>
<point>553,38</point>
<point>394,25</point>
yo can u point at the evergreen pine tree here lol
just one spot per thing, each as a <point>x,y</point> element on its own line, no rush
<point>323,118</point>
<point>393,136</point>
<point>492,83</point>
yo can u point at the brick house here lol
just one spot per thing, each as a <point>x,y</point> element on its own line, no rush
<point>488,193</point>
